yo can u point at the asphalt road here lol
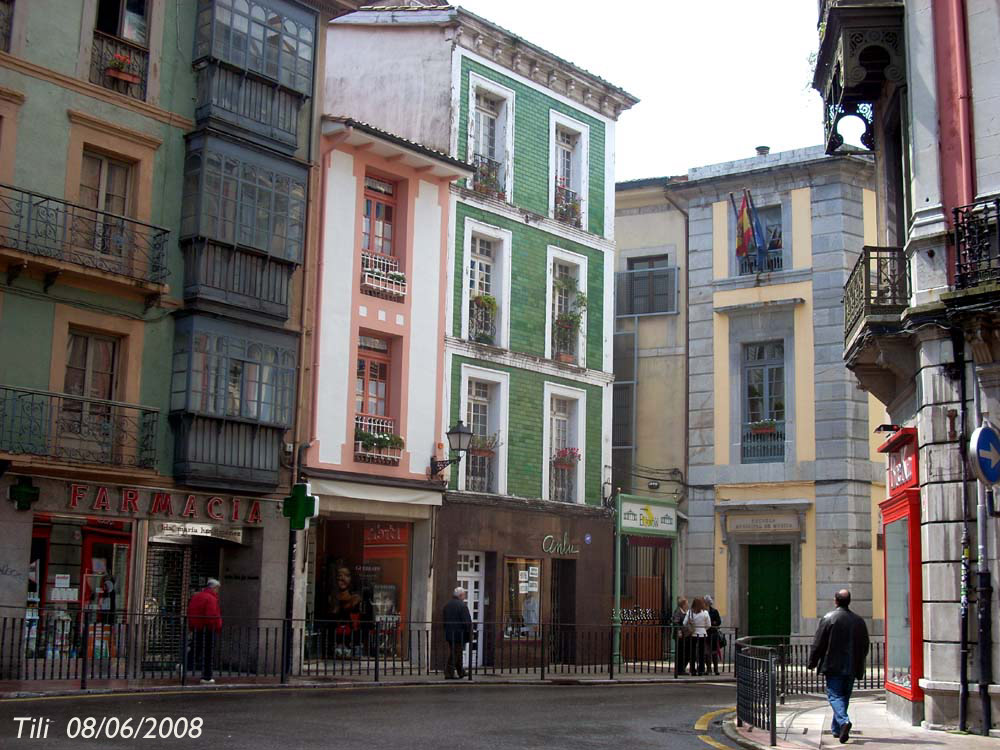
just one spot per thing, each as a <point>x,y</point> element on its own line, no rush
<point>445,717</point>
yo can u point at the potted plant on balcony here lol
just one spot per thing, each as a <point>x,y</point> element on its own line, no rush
<point>566,458</point>
<point>483,315</point>
<point>763,427</point>
<point>372,442</point>
<point>484,445</point>
<point>117,68</point>
<point>566,326</point>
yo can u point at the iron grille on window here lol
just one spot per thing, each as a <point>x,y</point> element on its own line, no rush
<point>977,240</point>
<point>763,434</point>
<point>6,16</point>
<point>749,264</point>
<point>488,178</point>
<point>878,285</point>
<point>561,483</point>
<point>119,65</point>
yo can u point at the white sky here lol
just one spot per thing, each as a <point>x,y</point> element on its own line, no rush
<point>715,78</point>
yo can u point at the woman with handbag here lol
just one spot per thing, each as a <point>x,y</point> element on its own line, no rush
<point>698,619</point>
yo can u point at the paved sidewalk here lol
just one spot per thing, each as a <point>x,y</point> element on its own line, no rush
<point>801,726</point>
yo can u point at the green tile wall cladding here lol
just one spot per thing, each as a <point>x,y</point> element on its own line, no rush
<point>531,144</point>
<point>529,255</point>
<point>524,429</point>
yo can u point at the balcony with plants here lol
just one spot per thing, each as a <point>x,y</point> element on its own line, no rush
<point>489,177</point>
<point>120,65</point>
<point>763,441</point>
<point>567,207</point>
<point>381,277</point>
<point>376,442</point>
<point>562,474</point>
<point>483,319</point>
<point>65,236</point>
<point>567,323</point>
<point>481,462</point>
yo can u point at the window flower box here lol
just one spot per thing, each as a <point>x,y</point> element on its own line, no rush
<point>484,445</point>
<point>566,458</point>
<point>381,277</point>
<point>123,75</point>
<point>765,427</point>
<point>377,448</point>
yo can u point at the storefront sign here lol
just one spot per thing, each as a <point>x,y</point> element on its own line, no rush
<point>169,529</point>
<point>552,545</point>
<point>763,523</point>
<point>139,502</point>
<point>902,470</point>
<point>385,532</point>
<point>648,517</point>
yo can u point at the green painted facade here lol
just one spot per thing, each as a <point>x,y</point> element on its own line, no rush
<point>42,143</point>
<point>529,277</point>
<point>531,144</point>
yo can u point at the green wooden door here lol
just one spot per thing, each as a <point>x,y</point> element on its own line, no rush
<point>769,589</point>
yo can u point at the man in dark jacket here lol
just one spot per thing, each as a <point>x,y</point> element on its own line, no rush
<point>205,622</point>
<point>838,651</point>
<point>457,632</point>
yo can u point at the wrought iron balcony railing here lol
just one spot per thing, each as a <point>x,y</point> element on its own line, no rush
<point>562,480</point>
<point>53,228</point>
<point>6,17</point>
<point>375,441</point>
<point>479,472</point>
<point>879,284</point>
<point>482,322</point>
<point>119,65</point>
<point>763,442</point>
<point>567,205</point>
<point>76,429</point>
<point>748,264</point>
<point>489,177</point>
<point>647,291</point>
<point>381,277</point>
<point>977,244</point>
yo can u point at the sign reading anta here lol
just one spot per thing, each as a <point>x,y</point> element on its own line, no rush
<point>141,502</point>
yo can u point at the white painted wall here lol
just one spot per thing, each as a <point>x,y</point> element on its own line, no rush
<point>425,333</point>
<point>984,63</point>
<point>395,78</point>
<point>338,275</point>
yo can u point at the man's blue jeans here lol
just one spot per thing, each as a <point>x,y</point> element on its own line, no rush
<point>838,692</point>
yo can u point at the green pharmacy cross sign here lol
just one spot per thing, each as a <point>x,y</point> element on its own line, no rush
<point>24,493</point>
<point>300,506</point>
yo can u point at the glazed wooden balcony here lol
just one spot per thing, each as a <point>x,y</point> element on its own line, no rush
<point>67,233</point>
<point>74,429</point>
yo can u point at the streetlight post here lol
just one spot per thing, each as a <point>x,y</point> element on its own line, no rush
<point>459,441</point>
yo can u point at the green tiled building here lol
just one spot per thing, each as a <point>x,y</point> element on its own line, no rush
<point>529,306</point>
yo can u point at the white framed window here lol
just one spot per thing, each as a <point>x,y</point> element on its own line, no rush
<point>566,323</point>
<point>486,287</point>
<point>491,137</point>
<point>564,443</point>
<point>569,169</point>
<point>484,405</point>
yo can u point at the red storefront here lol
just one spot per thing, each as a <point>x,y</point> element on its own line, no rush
<point>900,512</point>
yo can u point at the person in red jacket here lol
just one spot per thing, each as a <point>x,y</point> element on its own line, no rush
<point>204,621</point>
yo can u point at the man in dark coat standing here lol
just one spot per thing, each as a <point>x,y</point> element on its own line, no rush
<point>457,632</point>
<point>839,651</point>
<point>205,623</point>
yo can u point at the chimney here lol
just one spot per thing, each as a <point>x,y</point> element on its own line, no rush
<point>763,150</point>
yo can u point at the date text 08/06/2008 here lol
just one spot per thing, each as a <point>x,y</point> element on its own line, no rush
<point>113,727</point>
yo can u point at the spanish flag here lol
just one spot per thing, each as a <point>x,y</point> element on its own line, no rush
<point>744,229</point>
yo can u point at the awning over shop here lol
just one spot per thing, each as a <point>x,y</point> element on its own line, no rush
<point>377,492</point>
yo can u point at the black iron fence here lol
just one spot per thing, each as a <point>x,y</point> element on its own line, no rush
<point>770,668</point>
<point>89,647</point>
<point>977,244</point>
<point>879,284</point>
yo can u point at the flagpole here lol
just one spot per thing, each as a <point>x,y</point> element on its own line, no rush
<point>754,225</point>
<point>736,213</point>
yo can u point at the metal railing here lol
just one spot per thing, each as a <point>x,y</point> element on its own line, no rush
<point>479,471</point>
<point>59,646</point>
<point>562,476</point>
<point>763,443</point>
<point>107,68</point>
<point>567,205</point>
<point>54,228</point>
<point>77,429</point>
<point>380,427</point>
<point>977,244</point>
<point>381,277</point>
<point>770,668</point>
<point>879,284</point>
<point>482,323</point>
<point>646,291</point>
<point>488,178</point>
<point>748,264</point>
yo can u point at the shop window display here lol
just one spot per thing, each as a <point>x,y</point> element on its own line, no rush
<point>523,579</point>
<point>897,576</point>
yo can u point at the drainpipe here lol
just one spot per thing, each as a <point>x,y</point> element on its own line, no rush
<point>984,588</point>
<point>958,347</point>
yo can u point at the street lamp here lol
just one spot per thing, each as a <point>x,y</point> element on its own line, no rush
<point>459,440</point>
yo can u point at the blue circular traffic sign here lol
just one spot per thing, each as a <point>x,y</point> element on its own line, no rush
<point>984,454</point>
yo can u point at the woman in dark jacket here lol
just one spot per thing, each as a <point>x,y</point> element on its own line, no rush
<point>713,632</point>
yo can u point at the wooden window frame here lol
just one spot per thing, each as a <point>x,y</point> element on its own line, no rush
<point>368,356</point>
<point>386,200</point>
